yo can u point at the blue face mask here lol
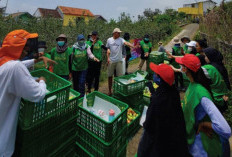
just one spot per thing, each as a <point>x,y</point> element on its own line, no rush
<point>60,43</point>
<point>146,39</point>
<point>156,79</point>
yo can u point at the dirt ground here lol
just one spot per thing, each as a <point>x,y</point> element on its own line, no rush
<point>132,147</point>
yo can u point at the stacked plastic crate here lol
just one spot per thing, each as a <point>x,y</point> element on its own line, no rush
<point>45,127</point>
<point>132,94</point>
<point>98,137</point>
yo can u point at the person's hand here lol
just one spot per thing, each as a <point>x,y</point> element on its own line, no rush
<point>225,98</point>
<point>47,60</point>
<point>146,54</point>
<point>96,60</point>
<point>108,61</point>
<point>41,78</point>
<point>70,76</point>
<point>205,127</point>
<point>175,69</point>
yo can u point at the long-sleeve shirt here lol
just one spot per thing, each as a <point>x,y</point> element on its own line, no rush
<point>15,83</point>
<point>219,125</point>
<point>90,54</point>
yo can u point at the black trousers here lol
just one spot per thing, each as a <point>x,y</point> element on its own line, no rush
<point>179,77</point>
<point>127,62</point>
<point>94,72</point>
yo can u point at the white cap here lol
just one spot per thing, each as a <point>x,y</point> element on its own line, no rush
<point>176,40</point>
<point>192,43</point>
<point>117,30</point>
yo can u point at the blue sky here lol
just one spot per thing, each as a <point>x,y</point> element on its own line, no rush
<point>106,8</point>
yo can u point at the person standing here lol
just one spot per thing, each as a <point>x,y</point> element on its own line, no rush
<point>164,128</point>
<point>185,40</point>
<point>61,54</point>
<point>177,50</point>
<point>207,130</point>
<point>115,55</point>
<point>79,63</point>
<point>16,82</point>
<point>128,50</point>
<point>94,68</point>
<point>145,46</point>
<point>161,47</point>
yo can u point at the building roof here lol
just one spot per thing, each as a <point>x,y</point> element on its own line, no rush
<point>99,16</point>
<point>75,11</point>
<point>201,1</point>
<point>19,14</point>
<point>49,13</point>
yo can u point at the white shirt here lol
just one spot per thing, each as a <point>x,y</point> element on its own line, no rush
<point>116,48</point>
<point>15,83</point>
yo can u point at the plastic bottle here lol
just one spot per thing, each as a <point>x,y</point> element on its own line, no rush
<point>111,115</point>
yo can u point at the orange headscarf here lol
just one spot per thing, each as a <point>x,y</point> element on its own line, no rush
<point>13,45</point>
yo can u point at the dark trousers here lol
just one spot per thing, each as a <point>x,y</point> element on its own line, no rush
<point>66,77</point>
<point>79,81</point>
<point>94,72</point>
<point>179,77</point>
<point>127,62</point>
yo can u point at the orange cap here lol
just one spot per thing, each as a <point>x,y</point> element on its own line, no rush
<point>13,45</point>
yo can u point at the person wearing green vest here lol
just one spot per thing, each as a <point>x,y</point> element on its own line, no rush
<point>41,50</point>
<point>177,50</point>
<point>145,46</point>
<point>218,85</point>
<point>128,50</point>
<point>94,68</point>
<point>79,63</point>
<point>206,127</point>
<point>61,54</point>
<point>185,40</point>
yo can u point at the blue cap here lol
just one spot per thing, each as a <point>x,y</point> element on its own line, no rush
<point>80,36</point>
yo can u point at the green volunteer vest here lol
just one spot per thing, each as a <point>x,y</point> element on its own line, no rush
<point>97,49</point>
<point>185,48</point>
<point>62,59</point>
<point>218,85</point>
<point>145,46</point>
<point>41,65</point>
<point>80,60</point>
<point>192,98</point>
<point>177,51</point>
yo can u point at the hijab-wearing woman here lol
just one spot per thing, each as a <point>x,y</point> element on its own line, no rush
<point>164,128</point>
<point>207,130</point>
<point>215,58</point>
<point>60,54</point>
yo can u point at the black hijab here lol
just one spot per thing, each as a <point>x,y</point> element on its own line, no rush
<point>216,58</point>
<point>202,59</point>
<point>165,121</point>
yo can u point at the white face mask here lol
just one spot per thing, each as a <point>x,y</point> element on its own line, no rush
<point>190,48</point>
<point>41,49</point>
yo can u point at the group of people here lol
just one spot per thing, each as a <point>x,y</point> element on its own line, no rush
<point>194,126</point>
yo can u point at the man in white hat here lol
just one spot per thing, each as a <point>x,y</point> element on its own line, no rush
<point>115,55</point>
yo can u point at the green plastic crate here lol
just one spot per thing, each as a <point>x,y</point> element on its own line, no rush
<point>133,126</point>
<point>144,73</point>
<point>107,131</point>
<point>67,149</point>
<point>128,89</point>
<point>46,144</point>
<point>154,57</point>
<point>32,113</point>
<point>97,146</point>
<point>134,101</point>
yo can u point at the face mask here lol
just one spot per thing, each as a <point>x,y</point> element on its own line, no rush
<point>190,48</point>
<point>41,49</point>
<point>81,43</point>
<point>60,43</point>
<point>146,40</point>
<point>156,79</point>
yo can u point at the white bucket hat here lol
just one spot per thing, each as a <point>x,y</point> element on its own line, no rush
<point>117,30</point>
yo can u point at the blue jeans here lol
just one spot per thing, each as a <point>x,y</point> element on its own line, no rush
<point>79,81</point>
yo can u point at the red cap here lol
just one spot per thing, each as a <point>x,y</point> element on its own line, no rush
<point>190,61</point>
<point>111,112</point>
<point>164,71</point>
